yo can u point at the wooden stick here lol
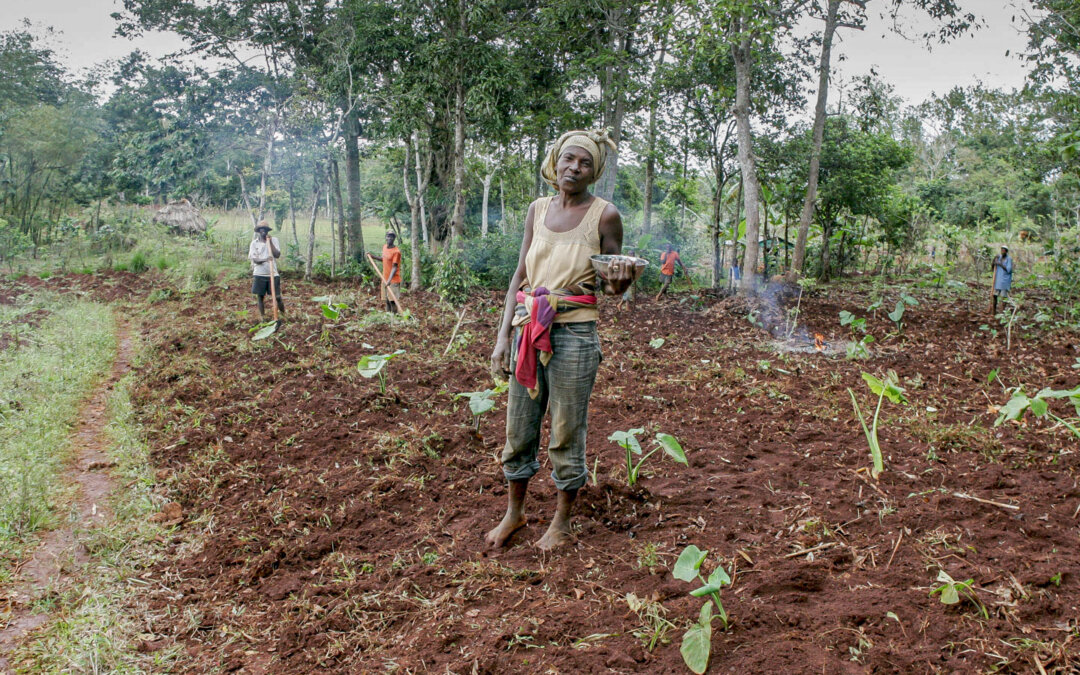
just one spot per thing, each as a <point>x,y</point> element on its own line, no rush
<point>389,291</point>
<point>273,277</point>
<point>827,544</point>
<point>961,495</point>
<point>895,549</point>
<point>454,334</point>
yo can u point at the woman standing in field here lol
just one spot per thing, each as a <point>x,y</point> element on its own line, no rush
<point>551,312</point>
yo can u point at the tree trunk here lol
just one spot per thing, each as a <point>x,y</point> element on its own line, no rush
<point>340,211</point>
<point>818,137</point>
<point>484,214</point>
<point>747,162</point>
<point>717,267</point>
<point>826,232</point>
<point>422,179</point>
<point>315,190</point>
<point>352,182</point>
<point>292,216</point>
<point>268,164</point>
<point>650,157</point>
<point>457,219</point>
<point>502,207</point>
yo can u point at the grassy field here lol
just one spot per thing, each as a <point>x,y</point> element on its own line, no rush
<point>233,229</point>
<point>54,349</point>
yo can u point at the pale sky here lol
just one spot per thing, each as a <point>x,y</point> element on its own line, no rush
<point>87,39</point>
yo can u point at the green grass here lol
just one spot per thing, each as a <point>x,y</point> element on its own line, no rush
<point>41,388</point>
<point>235,226</point>
<point>98,619</point>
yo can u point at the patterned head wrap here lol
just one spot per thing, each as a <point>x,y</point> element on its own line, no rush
<point>596,143</point>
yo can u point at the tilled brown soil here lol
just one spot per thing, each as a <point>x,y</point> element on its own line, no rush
<point>334,528</point>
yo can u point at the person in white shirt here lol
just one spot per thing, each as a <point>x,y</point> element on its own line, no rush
<point>259,252</point>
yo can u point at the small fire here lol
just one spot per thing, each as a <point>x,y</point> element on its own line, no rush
<point>819,342</point>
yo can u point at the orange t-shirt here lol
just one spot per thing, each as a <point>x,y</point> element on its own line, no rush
<point>390,256</point>
<point>667,261</point>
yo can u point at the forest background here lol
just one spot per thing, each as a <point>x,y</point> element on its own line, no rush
<point>336,120</point>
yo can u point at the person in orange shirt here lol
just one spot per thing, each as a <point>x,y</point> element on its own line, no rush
<point>668,260</point>
<point>391,276</point>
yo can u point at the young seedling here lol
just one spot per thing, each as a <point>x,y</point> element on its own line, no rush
<point>889,388</point>
<point>897,315</point>
<point>481,402</point>
<point>951,591</point>
<point>848,319</point>
<point>1039,406</point>
<point>373,365</point>
<point>629,442</point>
<point>860,349</point>
<point>697,640</point>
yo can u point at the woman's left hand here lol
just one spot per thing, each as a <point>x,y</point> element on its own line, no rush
<point>620,273</point>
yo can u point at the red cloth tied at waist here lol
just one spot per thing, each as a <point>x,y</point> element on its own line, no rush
<point>535,342</point>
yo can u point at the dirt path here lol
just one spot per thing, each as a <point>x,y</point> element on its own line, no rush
<point>61,551</point>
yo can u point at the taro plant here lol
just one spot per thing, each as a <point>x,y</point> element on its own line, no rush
<point>897,315</point>
<point>950,591</point>
<point>481,402</point>
<point>852,322</point>
<point>859,350</point>
<point>374,365</point>
<point>330,309</point>
<point>697,640</point>
<point>888,388</point>
<point>1040,407</point>
<point>628,441</point>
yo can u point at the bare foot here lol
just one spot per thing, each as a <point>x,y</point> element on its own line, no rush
<point>554,537</point>
<point>500,534</point>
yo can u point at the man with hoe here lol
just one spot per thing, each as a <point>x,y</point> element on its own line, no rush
<point>391,275</point>
<point>548,337</point>
<point>1003,272</point>
<point>668,260</point>
<point>262,248</point>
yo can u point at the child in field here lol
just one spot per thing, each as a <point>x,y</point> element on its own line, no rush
<point>262,247</point>
<point>391,277</point>
<point>668,260</point>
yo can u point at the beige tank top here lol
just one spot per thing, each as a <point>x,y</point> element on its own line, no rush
<point>561,259</point>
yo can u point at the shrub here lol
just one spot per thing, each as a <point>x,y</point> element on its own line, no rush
<point>138,263</point>
<point>453,280</point>
<point>493,259</point>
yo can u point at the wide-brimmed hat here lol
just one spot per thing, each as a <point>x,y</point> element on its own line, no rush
<point>263,225</point>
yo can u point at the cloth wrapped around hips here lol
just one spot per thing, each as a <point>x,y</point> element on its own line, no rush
<point>540,305</point>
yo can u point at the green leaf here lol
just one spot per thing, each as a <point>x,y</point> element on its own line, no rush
<point>672,448</point>
<point>481,404</point>
<point>330,312</point>
<point>265,332</point>
<point>1014,408</point>
<point>370,365</point>
<point>719,577</point>
<point>627,439</point>
<point>908,300</point>
<point>992,376</point>
<point>846,318</point>
<point>321,299</point>
<point>876,385</point>
<point>688,563</point>
<point>697,643</point>
<point>949,594</point>
<point>657,343</point>
<point>705,590</point>
<point>1039,407</point>
<point>897,314</point>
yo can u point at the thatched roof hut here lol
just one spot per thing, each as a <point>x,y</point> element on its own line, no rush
<point>181,218</point>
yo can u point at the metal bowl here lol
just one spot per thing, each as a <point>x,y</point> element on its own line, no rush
<point>600,263</point>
